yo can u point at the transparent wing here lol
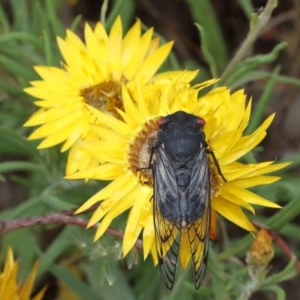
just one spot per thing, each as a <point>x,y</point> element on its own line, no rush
<point>198,233</point>
<point>199,216</point>
<point>167,235</point>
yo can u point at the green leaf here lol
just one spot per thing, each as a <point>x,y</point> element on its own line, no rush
<point>18,36</point>
<point>206,52</point>
<point>11,89</point>
<point>181,289</point>
<point>287,273</point>
<point>12,166</point>
<point>278,291</point>
<point>247,7</point>
<point>107,280</point>
<point>203,14</point>
<point>24,243</point>
<point>13,143</point>
<point>75,284</point>
<point>12,65</point>
<point>240,73</point>
<point>60,245</point>
<point>55,22</point>
<point>236,247</point>
<point>124,8</point>
<point>56,203</point>
<point>3,19</point>
<point>260,108</point>
<point>20,18</point>
<point>285,215</point>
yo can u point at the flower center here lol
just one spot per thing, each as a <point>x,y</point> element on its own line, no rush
<point>105,96</point>
<point>141,150</point>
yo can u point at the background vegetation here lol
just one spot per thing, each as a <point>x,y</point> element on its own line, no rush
<point>32,183</point>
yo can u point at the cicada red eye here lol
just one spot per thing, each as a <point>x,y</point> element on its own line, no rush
<point>161,121</point>
<point>201,121</point>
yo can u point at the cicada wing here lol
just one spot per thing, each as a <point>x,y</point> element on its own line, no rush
<point>199,225</point>
<point>167,238</point>
<point>199,242</point>
<point>167,235</point>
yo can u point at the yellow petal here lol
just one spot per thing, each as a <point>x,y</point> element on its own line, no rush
<point>238,170</point>
<point>70,134</point>
<point>115,124</point>
<point>138,215</point>
<point>138,56</point>
<point>148,235</point>
<point>111,153</point>
<point>185,249</point>
<point>115,48</point>
<point>113,191</point>
<point>220,147</point>
<point>230,193</point>
<point>98,52</point>
<point>152,63</point>
<point>79,160</point>
<point>104,172</point>
<point>46,115</point>
<point>112,214</point>
<point>254,181</point>
<point>40,294</point>
<point>232,212</point>
<point>100,32</point>
<point>75,135</point>
<point>247,143</point>
<point>26,289</point>
<point>251,197</point>
<point>57,125</point>
<point>72,49</point>
<point>154,254</point>
<point>49,73</point>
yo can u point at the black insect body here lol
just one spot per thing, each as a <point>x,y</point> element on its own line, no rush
<point>181,193</point>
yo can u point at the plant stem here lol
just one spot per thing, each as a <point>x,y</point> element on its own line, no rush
<point>256,27</point>
<point>64,217</point>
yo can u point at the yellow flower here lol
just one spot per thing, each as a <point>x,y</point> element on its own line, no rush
<point>125,148</point>
<point>91,77</point>
<point>10,288</point>
<point>78,159</point>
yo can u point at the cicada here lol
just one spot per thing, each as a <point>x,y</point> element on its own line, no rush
<point>181,183</point>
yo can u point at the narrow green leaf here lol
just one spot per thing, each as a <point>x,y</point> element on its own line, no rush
<point>203,14</point>
<point>11,142</point>
<point>56,24</point>
<point>12,166</point>
<point>3,19</point>
<point>252,63</point>
<point>285,215</point>
<point>260,108</point>
<point>21,19</point>
<point>247,7</point>
<point>287,273</point>
<point>60,245</point>
<point>56,203</point>
<point>16,67</point>
<point>124,8</point>
<point>75,284</point>
<point>10,89</point>
<point>206,52</point>
<point>278,291</point>
<point>17,37</point>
